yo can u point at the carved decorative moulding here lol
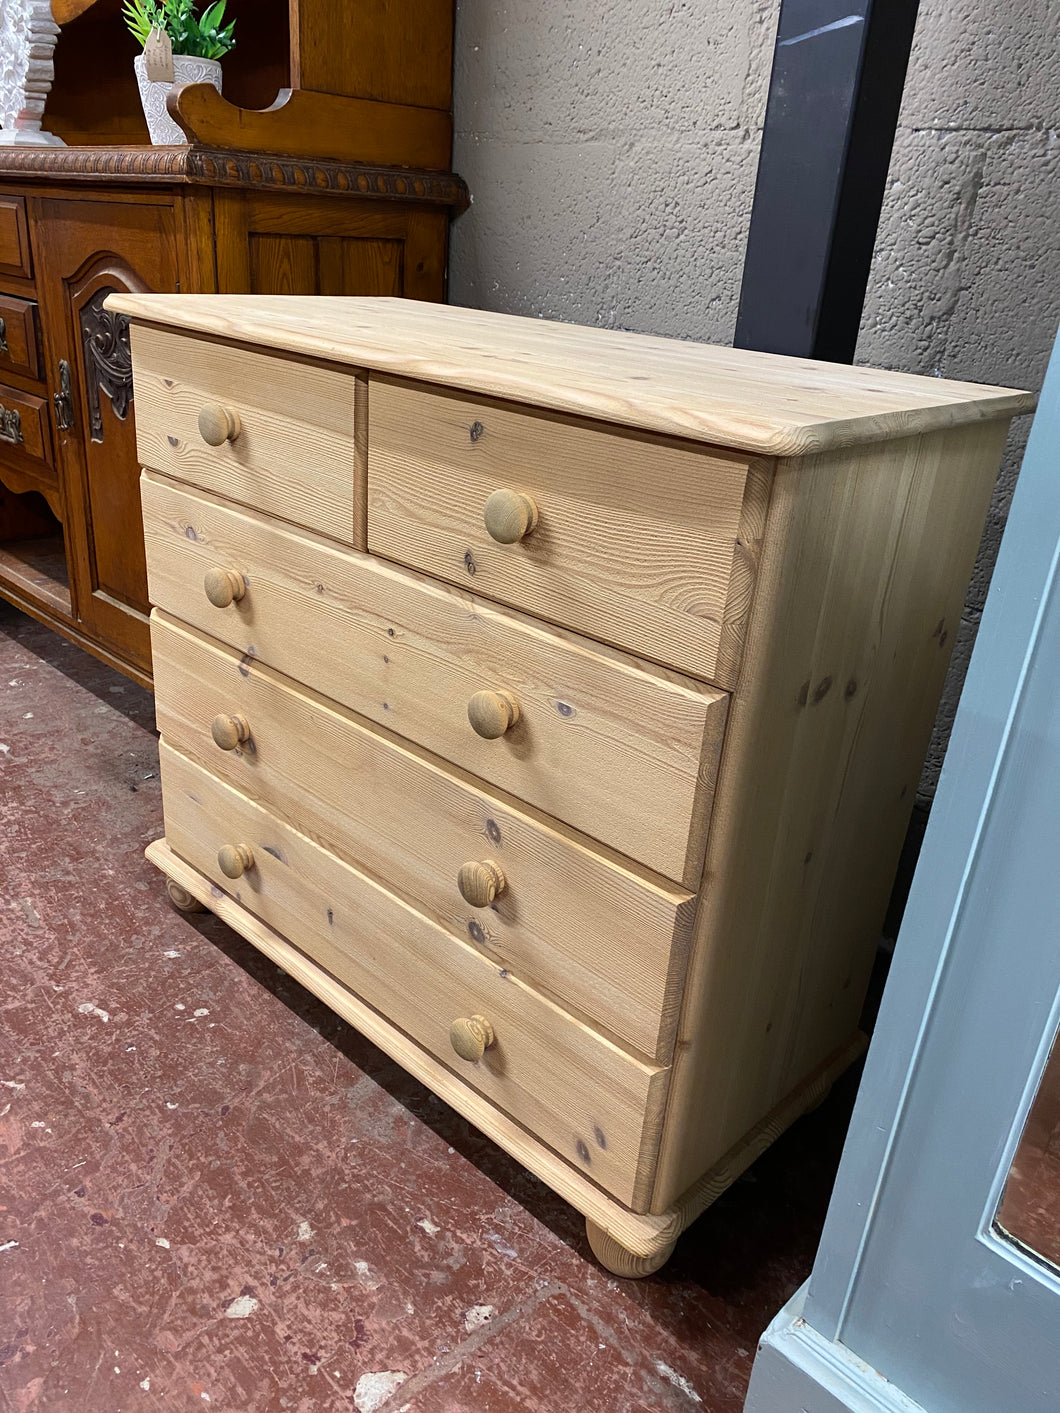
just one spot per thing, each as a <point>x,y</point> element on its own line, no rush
<point>108,360</point>
<point>27,43</point>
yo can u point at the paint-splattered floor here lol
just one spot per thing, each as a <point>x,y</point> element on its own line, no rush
<point>215,1195</point>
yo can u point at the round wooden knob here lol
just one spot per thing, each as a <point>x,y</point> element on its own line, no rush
<point>234,859</point>
<point>228,731</point>
<point>509,516</point>
<point>492,713</point>
<point>223,586</point>
<point>471,1037</point>
<point>218,424</point>
<point>481,883</point>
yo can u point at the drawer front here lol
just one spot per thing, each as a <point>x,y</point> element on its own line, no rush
<point>15,256</point>
<point>295,450</point>
<point>589,932</point>
<point>18,336</point>
<point>24,429</point>
<point>590,1101</point>
<point>635,536</point>
<point>624,755</point>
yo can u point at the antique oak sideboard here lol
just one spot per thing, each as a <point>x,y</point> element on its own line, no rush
<point>340,187</point>
<point>551,701</point>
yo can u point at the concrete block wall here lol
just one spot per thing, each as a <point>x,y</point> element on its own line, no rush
<point>611,148</point>
<point>966,273</point>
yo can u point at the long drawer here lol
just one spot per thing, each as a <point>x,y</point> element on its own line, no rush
<point>625,755</point>
<point>600,939</point>
<point>288,429</point>
<point>628,537</point>
<point>594,1104</point>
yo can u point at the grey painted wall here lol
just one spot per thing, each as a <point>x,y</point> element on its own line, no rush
<point>611,149</point>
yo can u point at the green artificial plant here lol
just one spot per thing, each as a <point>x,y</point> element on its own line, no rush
<point>205,36</point>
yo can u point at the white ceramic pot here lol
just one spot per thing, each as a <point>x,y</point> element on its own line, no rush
<point>186,69</point>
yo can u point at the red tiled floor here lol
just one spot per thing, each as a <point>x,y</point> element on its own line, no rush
<point>214,1194</point>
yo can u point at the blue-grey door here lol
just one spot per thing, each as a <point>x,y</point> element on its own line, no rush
<point>913,1277</point>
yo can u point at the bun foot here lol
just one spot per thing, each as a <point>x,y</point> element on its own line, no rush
<point>821,1098</point>
<point>620,1262</point>
<point>182,899</point>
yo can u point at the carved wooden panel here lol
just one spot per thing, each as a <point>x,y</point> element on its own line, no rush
<point>108,360</point>
<point>93,249</point>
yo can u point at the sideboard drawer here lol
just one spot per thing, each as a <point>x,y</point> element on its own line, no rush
<point>409,822</point>
<point>629,537</point>
<point>625,755</point>
<point>18,336</point>
<point>15,257</point>
<point>24,428</point>
<point>594,1104</point>
<point>286,430</point>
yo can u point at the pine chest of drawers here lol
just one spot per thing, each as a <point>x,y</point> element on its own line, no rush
<point>551,702</point>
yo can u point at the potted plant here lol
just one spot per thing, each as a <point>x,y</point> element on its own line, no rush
<point>181,46</point>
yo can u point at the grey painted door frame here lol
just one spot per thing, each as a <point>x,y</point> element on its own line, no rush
<point>915,1301</point>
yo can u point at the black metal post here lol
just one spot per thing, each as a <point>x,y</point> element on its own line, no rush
<point>836,88</point>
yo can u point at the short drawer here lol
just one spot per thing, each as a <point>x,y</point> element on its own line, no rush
<point>597,1106</point>
<point>628,537</point>
<point>292,443</point>
<point>591,933</point>
<point>25,430</point>
<point>19,350</point>
<point>15,257</point>
<point>625,755</point>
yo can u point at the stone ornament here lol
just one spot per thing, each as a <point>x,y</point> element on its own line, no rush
<point>28,34</point>
<point>187,68</point>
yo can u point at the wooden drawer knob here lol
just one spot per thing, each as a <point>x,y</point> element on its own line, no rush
<point>223,586</point>
<point>471,1037</point>
<point>229,731</point>
<point>234,859</point>
<point>509,516</point>
<point>481,883</point>
<point>218,424</point>
<point>492,713</point>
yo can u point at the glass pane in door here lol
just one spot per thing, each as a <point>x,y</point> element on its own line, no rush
<point>1029,1213</point>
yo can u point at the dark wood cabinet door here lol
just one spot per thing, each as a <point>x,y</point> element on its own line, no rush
<point>91,248</point>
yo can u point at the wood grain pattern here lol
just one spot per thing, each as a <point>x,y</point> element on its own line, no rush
<point>15,257</point>
<point>396,51</point>
<point>755,402</point>
<point>22,354</point>
<point>34,443</point>
<point>641,1234</point>
<point>625,755</point>
<point>592,934</point>
<point>588,1100</point>
<point>94,244</point>
<point>866,556</point>
<point>292,414</point>
<point>305,124</point>
<point>634,537</point>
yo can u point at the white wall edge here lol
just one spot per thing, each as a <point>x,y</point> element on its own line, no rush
<point>799,1371</point>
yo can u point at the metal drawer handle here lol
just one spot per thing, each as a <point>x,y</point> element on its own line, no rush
<point>62,400</point>
<point>3,337</point>
<point>10,425</point>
